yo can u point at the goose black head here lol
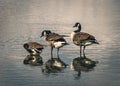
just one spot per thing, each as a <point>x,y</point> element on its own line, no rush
<point>78,26</point>
<point>26,46</point>
<point>45,33</point>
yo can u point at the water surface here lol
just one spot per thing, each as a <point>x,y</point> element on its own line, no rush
<point>23,20</point>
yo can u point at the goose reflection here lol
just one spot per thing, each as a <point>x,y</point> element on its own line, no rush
<point>54,65</point>
<point>35,60</point>
<point>83,65</point>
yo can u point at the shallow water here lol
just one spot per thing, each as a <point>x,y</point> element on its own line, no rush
<point>22,21</point>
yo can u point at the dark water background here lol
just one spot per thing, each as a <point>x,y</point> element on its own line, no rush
<point>23,20</point>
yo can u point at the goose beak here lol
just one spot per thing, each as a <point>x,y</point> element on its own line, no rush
<point>97,42</point>
<point>74,26</point>
<point>41,36</point>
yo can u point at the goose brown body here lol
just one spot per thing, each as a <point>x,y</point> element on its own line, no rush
<point>33,47</point>
<point>82,39</point>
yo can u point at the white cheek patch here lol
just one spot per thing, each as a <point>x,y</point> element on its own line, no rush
<point>78,25</point>
<point>58,44</point>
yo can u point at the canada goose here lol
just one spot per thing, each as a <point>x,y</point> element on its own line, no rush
<point>33,47</point>
<point>54,40</point>
<point>82,38</point>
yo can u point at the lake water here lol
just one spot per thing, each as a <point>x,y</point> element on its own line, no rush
<point>23,21</point>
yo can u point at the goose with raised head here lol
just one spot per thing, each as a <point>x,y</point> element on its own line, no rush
<point>82,39</point>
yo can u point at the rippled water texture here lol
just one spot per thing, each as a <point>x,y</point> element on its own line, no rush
<point>23,20</point>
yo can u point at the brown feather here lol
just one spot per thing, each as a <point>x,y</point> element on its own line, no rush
<point>53,37</point>
<point>81,36</point>
<point>35,45</point>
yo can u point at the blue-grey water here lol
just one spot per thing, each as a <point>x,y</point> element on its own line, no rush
<point>23,20</point>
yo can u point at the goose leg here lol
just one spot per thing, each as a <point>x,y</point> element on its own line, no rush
<point>80,51</point>
<point>57,52</point>
<point>79,72</point>
<point>51,52</point>
<point>84,51</point>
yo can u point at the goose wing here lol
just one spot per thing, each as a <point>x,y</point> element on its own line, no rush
<point>81,36</point>
<point>54,37</point>
<point>35,45</point>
